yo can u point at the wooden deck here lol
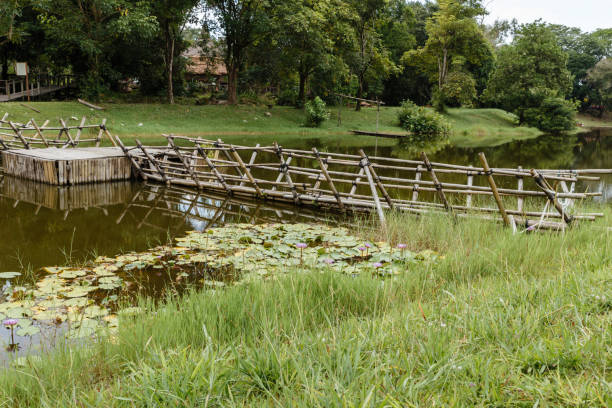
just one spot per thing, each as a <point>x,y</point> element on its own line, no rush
<point>68,166</point>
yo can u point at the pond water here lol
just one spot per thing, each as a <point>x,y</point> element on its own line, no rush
<point>44,226</point>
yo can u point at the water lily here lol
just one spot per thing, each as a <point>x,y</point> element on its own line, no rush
<point>329,261</point>
<point>401,247</point>
<point>368,246</point>
<point>362,249</point>
<point>301,246</point>
<point>10,324</point>
<point>377,265</point>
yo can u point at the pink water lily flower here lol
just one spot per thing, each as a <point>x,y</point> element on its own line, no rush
<point>377,265</point>
<point>329,261</point>
<point>402,246</point>
<point>301,245</point>
<point>10,322</point>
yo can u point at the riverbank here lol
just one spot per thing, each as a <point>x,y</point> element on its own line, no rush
<point>499,319</point>
<point>251,124</point>
<point>592,122</point>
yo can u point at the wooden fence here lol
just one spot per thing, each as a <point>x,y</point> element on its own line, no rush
<point>348,182</point>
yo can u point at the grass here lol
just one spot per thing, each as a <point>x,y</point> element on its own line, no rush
<point>502,320</point>
<point>249,124</point>
<point>593,122</point>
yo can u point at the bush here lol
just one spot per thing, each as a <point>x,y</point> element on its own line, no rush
<point>459,89</point>
<point>553,114</point>
<point>316,112</point>
<point>423,124</point>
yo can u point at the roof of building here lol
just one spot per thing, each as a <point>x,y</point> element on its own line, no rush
<point>199,64</point>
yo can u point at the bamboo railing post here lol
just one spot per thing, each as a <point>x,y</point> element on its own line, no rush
<point>284,168</point>
<point>552,195</point>
<point>415,187</point>
<point>184,162</point>
<point>252,160</point>
<point>40,133</point>
<point>470,183</point>
<point>246,171</point>
<point>228,157</point>
<point>328,178</point>
<point>356,181</point>
<point>437,184</point>
<point>213,168</point>
<point>381,214</point>
<point>133,160</point>
<point>380,185</point>
<point>65,130</point>
<point>489,174</point>
<point>153,162</point>
<point>519,187</point>
<point>80,130</point>
<point>26,144</point>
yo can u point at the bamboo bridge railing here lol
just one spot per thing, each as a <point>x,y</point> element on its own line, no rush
<point>348,182</point>
<point>30,135</point>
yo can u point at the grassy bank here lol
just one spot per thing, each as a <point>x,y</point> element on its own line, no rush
<point>501,320</point>
<point>250,125</point>
<point>593,122</point>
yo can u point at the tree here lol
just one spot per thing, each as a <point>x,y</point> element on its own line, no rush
<point>172,16</point>
<point>84,33</point>
<point>368,58</point>
<point>303,31</point>
<point>453,33</point>
<point>239,22</point>
<point>11,32</point>
<point>600,77</point>
<point>531,69</point>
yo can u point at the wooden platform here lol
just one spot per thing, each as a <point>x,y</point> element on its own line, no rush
<point>68,166</point>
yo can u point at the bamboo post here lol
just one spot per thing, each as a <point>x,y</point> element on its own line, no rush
<point>356,181</point>
<point>252,160</point>
<point>185,164</point>
<point>40,133</point>
<point>152,161</point>
<point>80,130</point>
<point>381,214</point>
<point>65,130</point>
<point>134,162</point>
<point>489,174</point>
<point>519,187</point>
<point>213,169</point>
<point>228,157</point>
<point>246,171</point>
<point>284,168</point>
<point>552,195</point>
<point>19,135</point>
<point>366,160</point>
<point>470,183</point>
<point>415,187</point>
<point>437,184</point>
<point>328,178</point>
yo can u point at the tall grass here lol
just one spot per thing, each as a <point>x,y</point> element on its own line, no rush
<point>500,320</point>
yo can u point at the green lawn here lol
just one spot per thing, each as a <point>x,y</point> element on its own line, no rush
<point>250,125</point>
<point>501,320</point>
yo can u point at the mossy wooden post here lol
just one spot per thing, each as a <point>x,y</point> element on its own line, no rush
<point>489,174</point>
<point>329,180</point>
<point>142,174</point>
<point>19,135</point>
<point>39,132</point>
<point>436,183</point>
<point>552,195</point>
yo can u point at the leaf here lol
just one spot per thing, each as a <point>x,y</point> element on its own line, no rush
<point>28,331</point>
<point>9,275</point>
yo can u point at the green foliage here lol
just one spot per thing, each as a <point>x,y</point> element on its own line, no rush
<point>316,112</point>
<point>600,78</point>
<point>552,115</point>
<point>423,124</point>
<point>459,89</point>
<point>532,68</point>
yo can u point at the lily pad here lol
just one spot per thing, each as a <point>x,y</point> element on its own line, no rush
<point>9,275</point>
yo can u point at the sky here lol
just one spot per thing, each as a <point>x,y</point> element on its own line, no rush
<point>588,15</point>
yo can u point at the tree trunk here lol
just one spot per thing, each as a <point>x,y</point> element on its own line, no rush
<point>5,65</point>
<point>232,84</point>
<point>170,65</point>
<point>302,95</point>
<point>359,94</point>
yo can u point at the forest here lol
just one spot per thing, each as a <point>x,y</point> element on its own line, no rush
<point>289,51</point>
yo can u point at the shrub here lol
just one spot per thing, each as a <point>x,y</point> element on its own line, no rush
<point>316,112</point>
<point>459,89</point>
<point>423,124</point>
<point>553,114</point>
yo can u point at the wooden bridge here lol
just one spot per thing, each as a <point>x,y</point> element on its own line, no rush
<point>38,85</point>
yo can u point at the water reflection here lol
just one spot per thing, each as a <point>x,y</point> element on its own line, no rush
<point>43,225</point>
